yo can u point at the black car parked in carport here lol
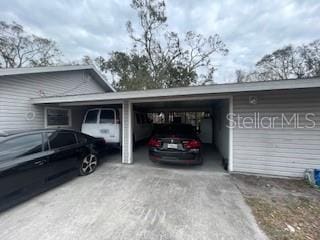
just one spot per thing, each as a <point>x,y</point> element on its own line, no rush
<point>175,143</point>
<point>32,161</point>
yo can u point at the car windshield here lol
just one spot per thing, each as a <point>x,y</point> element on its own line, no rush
<point>174,129</point>
<point>92,116</point>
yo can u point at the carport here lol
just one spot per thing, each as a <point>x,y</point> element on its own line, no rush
<point>250,145</point>
<point>155,101</point>
<point>208,116</point>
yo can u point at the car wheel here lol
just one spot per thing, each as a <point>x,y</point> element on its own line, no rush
<point>88,164</point>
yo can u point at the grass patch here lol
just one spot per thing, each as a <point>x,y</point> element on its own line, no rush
<point>285,209</point>
<point>278,216</point>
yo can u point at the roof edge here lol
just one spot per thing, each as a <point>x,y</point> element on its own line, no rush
<point>49,69</point>
<point>228,88</point>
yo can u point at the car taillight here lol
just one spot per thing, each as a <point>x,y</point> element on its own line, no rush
<point>154,142</point>
<point>192,144</point>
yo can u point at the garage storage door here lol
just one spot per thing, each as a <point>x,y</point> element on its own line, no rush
<point>280,149</point>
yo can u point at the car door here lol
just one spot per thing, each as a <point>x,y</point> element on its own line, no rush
<point>63,157</point>
<point>90,123</point>
<point>23,166</point>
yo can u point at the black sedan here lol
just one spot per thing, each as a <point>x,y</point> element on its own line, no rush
<point>31,161</point>
<point>175,143</point>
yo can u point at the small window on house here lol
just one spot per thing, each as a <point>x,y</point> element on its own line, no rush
<point>56,117</point>
<point>107,116</point>
<point>92,116</point>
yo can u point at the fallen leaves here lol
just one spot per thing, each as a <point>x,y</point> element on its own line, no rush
<point>285,209</point>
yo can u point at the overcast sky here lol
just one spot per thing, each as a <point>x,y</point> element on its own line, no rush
<point>250,29</point>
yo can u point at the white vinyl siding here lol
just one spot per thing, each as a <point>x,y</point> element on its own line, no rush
<point>278,151</point>
<point>17,90</point>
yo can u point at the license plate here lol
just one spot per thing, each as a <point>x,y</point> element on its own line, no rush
<point>172,145</point>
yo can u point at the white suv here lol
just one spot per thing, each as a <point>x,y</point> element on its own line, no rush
<point>105,123</point>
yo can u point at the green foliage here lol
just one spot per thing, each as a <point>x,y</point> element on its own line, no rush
<point>129,72</point>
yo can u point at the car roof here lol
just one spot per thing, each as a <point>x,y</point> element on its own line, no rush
<point>8,133</point>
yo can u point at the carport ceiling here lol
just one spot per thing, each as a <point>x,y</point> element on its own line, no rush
<point>178,106</point>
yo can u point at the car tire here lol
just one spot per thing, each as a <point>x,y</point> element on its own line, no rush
<point>88,164</point>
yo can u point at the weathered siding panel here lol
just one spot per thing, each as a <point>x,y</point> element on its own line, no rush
<point>16,111</point>
<point>283,149</point>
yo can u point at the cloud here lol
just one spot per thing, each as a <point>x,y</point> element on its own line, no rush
<point>96,27</point>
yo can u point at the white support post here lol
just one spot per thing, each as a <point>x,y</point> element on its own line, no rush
<point>127,154</point>
<point>230,164</point>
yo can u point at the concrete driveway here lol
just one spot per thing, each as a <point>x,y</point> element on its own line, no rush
<point>135,202</point>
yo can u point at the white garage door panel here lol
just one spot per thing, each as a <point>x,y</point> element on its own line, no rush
<point>285,152</point>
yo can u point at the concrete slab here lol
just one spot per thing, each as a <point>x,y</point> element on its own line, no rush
<point>212,160</point>
<point>135,202</point>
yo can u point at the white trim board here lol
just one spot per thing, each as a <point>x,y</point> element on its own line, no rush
<point>185,92</point>
<point>230,163</point>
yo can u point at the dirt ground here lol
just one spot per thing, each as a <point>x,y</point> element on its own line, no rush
<point>284,208</point>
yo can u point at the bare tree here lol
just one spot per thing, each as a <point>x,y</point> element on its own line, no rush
<point>310,55</point>
<point>86,60</point>
<point>290,62</point>
<point>279,64</point>
<point>240,76</point>
<point>19,49</point>
<point>172,60</point>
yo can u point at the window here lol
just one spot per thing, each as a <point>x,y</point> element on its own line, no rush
<point>107,116</point>
<point>21,146</point>
<point>92,116</point>
<point>61,139</point>
<point>82,138</point>
<point>58,117</point>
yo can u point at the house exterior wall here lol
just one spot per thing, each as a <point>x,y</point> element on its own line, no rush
<point>285,149</point>
<point>220,130</point>
<point>78,115</point>
<point>16,110</point>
